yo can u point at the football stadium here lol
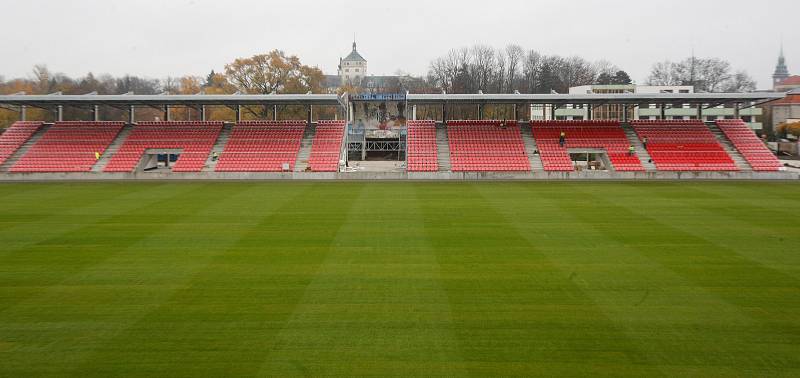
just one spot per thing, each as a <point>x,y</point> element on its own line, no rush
<point>613,229</point>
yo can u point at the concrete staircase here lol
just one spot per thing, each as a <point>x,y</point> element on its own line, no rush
<point>726,144</point>
<point>644,156</point>
<point>5,167</point>
<point>112,149</point>
<point>222,141</point>
<point>531,148</point>
<point>305,149</point>
<point>443,149</point>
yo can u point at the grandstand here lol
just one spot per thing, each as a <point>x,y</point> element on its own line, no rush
<point>430,149</point>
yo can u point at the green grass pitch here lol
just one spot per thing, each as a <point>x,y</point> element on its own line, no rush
<point>399,279</point>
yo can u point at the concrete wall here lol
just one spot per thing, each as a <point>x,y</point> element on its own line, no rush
<point>435,176</point>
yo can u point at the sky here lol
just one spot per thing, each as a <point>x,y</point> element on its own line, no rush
<point>164,38</point>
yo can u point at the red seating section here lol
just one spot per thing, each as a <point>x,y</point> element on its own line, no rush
<point>752,149</point>
<point>683,145</point>
<point>15,136</point>
<point>607,135</point>
<point>195,139</point>
<point>327,146</point>
<point>422,152</point>
<point>486,146</point>
<point>262,146</point>
<point>69,147</point>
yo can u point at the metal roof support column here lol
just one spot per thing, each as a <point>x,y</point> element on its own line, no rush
<point>96,113</point>
<point>238,113</point>
<point>625,113</point>
<point>700,111</point>
<point>131,114</point>
<point>737,111</point>
<point>203,113</point>
<point>274,112</point>
<point>589,112</point>
<point>444,114</point>
<point>167,113</point>
<point>309,115</point>
<point>516,113</point>
<point>60,113</point>
<point>480,112</point>
<point>414,112</point>
<point>663,112</point>
<point>23,113</point>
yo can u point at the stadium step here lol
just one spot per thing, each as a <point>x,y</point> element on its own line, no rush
<point>531,148</point>
<point>304,154</point>
<point>112,149</point>
<point>219,146</point>
<point>5,167</point>
<point>734,153</point>
<point>644,156</point>
<point>443,147</point>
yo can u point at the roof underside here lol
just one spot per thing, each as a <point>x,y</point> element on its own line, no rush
<point>51,101</point>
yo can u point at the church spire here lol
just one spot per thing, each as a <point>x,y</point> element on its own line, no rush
<point>781,71</point>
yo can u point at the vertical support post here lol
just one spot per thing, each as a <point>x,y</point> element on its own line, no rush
<point>516,113</point>
<point>132,114</point>
<point>203,113</point>
<point>444,114</point>
<point>23,113</point>
<point>700,112</point>
<point>274,112</point>
<point>308,115</point>
<point>663,112</point>
<point>167,114</point>
<point>737,110</point>
<point>96,113</point>
<point>414,112</point>
<point>589,110</point>
<point>60,113</point>
<point>625,113</point>
<point>238,113</point>
<point>480,112</point>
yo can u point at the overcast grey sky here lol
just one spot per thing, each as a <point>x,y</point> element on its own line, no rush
<point>159,38</point>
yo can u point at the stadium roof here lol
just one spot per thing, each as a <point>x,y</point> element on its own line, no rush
<point>50,101</point>
<point>596,99</point>
<point>47,101</point>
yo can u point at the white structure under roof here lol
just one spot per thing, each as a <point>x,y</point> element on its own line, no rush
<point>675,111</point>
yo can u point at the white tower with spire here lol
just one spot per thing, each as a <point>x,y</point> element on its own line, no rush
<point>353,68</point>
